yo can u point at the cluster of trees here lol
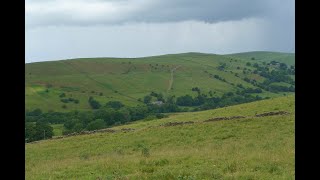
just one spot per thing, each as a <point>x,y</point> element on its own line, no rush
<point>219,78</point>
<point>204,102</point>
<point>276,88</point>
<point>188,100</point>
<point>94,103</point>
<point>283,67</point>
<point>158,96</point>
<point>114,104</point>
<point>162,67</point>
<point>268,86</point>
<point>67,100</point>
<point>280,73</point>
<point>222,66</point>
<point>250,90</point>
<point>37,131</point>
<point>277,76</point>
<point>113,113</point>
<point>99,119</point>
<point>196,89</point>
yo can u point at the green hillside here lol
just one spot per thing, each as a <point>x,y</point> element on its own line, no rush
<point>288,58</point>
<point>192,145</point>
<point>130,79</point>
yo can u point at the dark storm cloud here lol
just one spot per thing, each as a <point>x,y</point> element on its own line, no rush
<point>59,29</point>
<point>89,12</point>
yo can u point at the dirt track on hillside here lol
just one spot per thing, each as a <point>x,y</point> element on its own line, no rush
<point>171,79</point>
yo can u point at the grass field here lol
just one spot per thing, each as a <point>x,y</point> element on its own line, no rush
<point>128,79</point>
<point>248,148</point>
<point>57,129</point>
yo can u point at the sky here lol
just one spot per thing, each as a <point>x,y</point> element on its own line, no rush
<point>65,29</point>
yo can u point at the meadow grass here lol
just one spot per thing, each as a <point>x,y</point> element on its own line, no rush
<point>248,148</point>
<point>57,129</point>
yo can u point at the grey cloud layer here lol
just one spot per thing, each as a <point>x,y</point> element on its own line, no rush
<point>88,12</point>
<point>60,29</point>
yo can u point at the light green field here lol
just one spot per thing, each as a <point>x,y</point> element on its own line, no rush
<point>57,129</point>
<point>248,148</point>
<point>128,79</point>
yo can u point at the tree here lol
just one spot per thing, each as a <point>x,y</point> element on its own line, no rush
<point>171,99</point>
<point>115,104</point>
<point>196,89</point>
<point>240,86</point>
<point>93,103</point>
<point>258,90</point>
<point>36,112</point>
<point>186,100</point>
<point>283,66</point>
<point>153,94</point>
<point>38,131</point>
<point>30,132</point>
<point>96,124</point>
<point>147,99</point>
<point>78,127</point>
<point>222,66</point>
<point>70,123</point>
<point>160,97</point>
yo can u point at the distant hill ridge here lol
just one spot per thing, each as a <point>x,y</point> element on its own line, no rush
<point>130,79</point>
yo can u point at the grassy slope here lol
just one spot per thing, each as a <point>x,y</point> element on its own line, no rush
<point>250,148</point>
<point>132,78</point>
<point>288,58</point>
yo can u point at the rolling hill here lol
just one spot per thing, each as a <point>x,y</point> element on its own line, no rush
<point>248,141</point>
<point>130,79</point>
<point>265,56</point>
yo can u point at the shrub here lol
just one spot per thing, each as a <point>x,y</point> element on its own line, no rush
<point>115,104</point>
<point>93,103</point>
<point>147,99</point>
<point>160,116</point>
<point>96,124</point>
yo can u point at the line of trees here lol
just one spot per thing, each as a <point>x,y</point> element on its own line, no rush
<point>116,113</point>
